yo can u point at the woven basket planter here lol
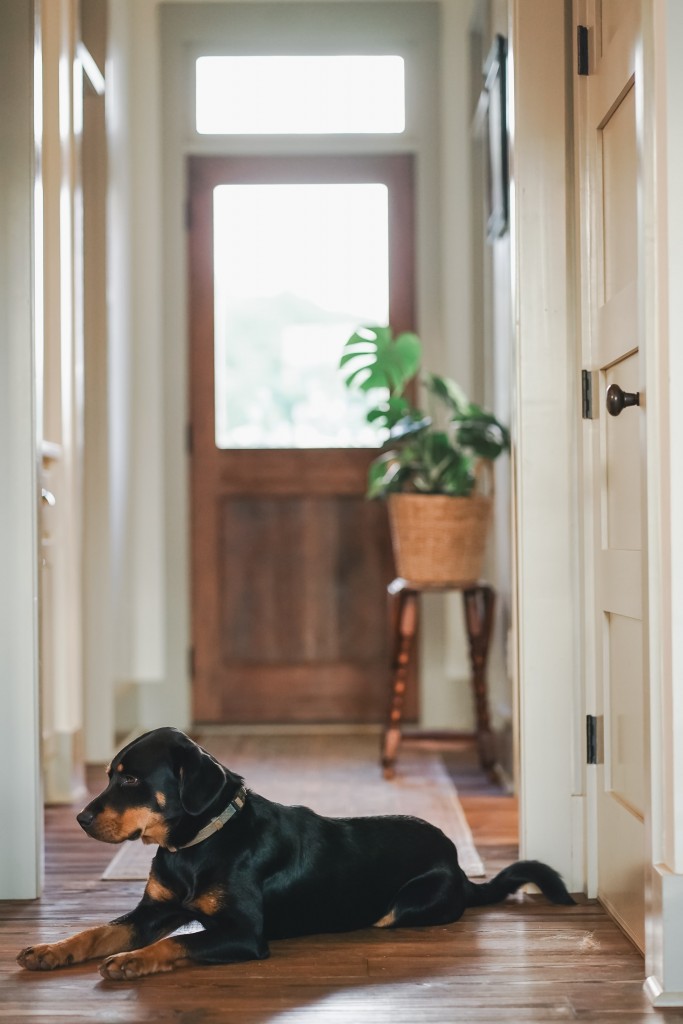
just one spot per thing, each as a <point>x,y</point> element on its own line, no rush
<point>437,538</point>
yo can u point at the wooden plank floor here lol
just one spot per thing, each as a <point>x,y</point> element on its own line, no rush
<point>521,961</point>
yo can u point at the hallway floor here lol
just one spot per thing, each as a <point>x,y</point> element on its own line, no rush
<point>520,961</point>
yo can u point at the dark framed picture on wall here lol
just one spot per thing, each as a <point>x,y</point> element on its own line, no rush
<point>494,99</point>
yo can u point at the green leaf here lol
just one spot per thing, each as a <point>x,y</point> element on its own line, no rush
<point>457,478</point>
<point>382,475</point>
<point>372,358</point>
<point>437,447</point>
<point>448,391</point>
<point>408,426</point>
<point>483,434</point>
<point>389,412</point>
<point>405,359</point>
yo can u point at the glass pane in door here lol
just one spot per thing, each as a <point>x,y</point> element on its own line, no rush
<point>296,269</point>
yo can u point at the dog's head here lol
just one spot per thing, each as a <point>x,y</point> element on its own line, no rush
<point>160,788</point>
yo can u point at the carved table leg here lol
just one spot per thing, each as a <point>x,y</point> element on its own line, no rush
<point>406,626</point>
<point>479,606</point>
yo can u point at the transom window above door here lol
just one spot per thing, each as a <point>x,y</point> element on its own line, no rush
<point>300,95</point>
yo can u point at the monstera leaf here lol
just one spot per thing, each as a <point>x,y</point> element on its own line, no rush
<point>389,412</point>
<point>450,393</point>
<point>373,358</point>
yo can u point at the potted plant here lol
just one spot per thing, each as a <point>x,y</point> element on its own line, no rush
<point>435,465</point>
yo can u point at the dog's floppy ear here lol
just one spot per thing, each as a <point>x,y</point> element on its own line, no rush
<point>200,777</point>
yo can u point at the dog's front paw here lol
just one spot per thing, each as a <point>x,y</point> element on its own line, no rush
<point>122,967</point>
<point>128,966</point>
<point>43,958</point>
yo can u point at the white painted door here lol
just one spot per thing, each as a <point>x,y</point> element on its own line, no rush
<point>614,476</point>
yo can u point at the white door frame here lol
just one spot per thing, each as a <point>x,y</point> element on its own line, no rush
<point>546,390</point>
<point>663,310</point>
<point>21,850</point>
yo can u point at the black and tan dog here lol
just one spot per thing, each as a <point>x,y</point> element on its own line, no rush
<point>250,870</point>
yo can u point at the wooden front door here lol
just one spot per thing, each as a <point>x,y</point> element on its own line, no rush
<point>610,181</point>
<point>290,563</point>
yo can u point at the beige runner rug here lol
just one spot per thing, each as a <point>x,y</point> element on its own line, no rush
<point>336,775</point>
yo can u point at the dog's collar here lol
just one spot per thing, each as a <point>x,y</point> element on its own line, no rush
<point>217,823</point>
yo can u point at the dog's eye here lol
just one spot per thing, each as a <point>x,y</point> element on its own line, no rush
<point>129,780</point>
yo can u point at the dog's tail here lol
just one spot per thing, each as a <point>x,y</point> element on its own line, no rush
<point>511,879</point>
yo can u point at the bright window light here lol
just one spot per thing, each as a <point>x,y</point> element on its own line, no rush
<point>300,95</point>
<point>296,269</point>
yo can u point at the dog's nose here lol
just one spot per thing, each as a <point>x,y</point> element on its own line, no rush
<point>85,818</point>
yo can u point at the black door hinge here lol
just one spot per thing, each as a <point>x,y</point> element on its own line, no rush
<point>591,739</point>
<point>582,50</point>
<point>594,742</point>
<point>587,394</point>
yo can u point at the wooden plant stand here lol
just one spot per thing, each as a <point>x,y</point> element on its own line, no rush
<point>479,603</point>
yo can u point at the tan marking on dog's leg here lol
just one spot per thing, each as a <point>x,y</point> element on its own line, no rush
<point>209,902</point>
<point>87,945</point>
<point>155,890</point>
<point>386,921</point>
<point>164,955</point>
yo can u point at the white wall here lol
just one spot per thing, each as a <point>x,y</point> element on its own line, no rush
<point>20,792</point>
